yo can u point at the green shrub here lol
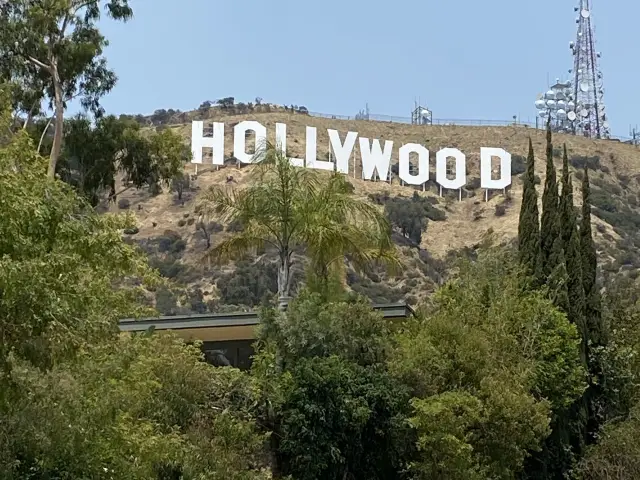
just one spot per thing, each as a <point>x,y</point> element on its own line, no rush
<point>473,184</point>
<point>168,267</point>
<point>170,242</point>
<point>235,226</point>
<point>377,292</point>
<point>518,165</point>
<point>215,227</point>
<point>603,201</point>
<point>249,284</point>
<point>410,215</point>
<point>580,161</point>
<point>166,302</point>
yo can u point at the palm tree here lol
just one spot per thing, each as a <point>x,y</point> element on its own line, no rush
<point>287,208</point>
<point>342,225</point>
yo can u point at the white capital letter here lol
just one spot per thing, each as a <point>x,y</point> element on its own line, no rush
<point>485,168</point>
<point>281,143</point>
<point>423,164</point>
<point>441,168</point>
<point>311,149</point>
<point>341,152</point>
<point>374,158</point>
<point>199,141</point>
<point>239,139</point>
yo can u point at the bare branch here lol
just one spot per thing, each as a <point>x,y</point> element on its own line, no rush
<point>44,132</point>
<point>38,63</point>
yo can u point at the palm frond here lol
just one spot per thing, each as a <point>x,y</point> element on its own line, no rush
<point>235,247</point>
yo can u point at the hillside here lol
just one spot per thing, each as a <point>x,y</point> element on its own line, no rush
<point>167,227</point>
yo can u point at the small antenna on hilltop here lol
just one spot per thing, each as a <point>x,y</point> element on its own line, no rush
<point>421,115</point>
<point>363,114</point>
<point>635,135</point>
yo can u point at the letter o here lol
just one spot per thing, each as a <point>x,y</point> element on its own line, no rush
<point>441,168</point>
<point>240,139</point>
<point>423,164</point>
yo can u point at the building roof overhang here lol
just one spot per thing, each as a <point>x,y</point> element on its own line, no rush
<point>228,326</point>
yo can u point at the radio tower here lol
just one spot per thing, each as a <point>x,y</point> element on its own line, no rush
<point>589,118</point>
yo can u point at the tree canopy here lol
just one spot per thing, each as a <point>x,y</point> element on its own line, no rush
<point>54,51</point>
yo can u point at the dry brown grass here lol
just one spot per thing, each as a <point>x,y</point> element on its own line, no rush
<point>467,221</point>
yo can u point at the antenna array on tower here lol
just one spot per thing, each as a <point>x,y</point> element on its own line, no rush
<point>577,106</point>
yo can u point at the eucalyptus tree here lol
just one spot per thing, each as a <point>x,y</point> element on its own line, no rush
<point>93,155</point>
<point>53,50</point>
<point>290,208</point>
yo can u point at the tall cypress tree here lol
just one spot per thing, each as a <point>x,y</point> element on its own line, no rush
<point>577,416</point>
<point>571,244</point>
<point>549,229</point>
<point>566,441</point>
<point>529,226</point>
<point>589,268</point>
<point>558,278</point>
<point>596,336</point>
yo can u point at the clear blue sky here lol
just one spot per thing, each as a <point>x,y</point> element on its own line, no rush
<point>465,59</point>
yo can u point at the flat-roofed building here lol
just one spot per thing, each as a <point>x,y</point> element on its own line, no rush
<point>227,338</point>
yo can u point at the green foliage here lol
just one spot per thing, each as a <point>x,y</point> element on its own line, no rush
<point>311,328</point>
<point>54,51</point>
<point>550,224</point>
<point>616,453</point>
<point>166,301</point>
<point>180,183</point>
<point>76,399</point>
<point>580,162</point>
<point>59,263</point>
<point>529,223</point>
<point>518,164</point>
<point>249,284</point>
<point>593,307</point>
<point>92,156</point>
<point>485,353</point>
<point>342,420</point>
<point>410,215</point>
<point>126,409</point>
<point>334,410</point>
<point>570,426</point>
<point>571,242</point>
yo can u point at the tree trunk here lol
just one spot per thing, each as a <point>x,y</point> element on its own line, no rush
<point>284,279</point>
<point>59,123</point>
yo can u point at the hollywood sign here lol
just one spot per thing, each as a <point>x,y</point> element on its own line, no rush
<point>374,156</point>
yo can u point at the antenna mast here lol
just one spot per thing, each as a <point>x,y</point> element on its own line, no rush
<point>576,106</point>
<point>588,92</point>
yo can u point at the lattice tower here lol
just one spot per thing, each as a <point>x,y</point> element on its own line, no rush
<point>588,92</point>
